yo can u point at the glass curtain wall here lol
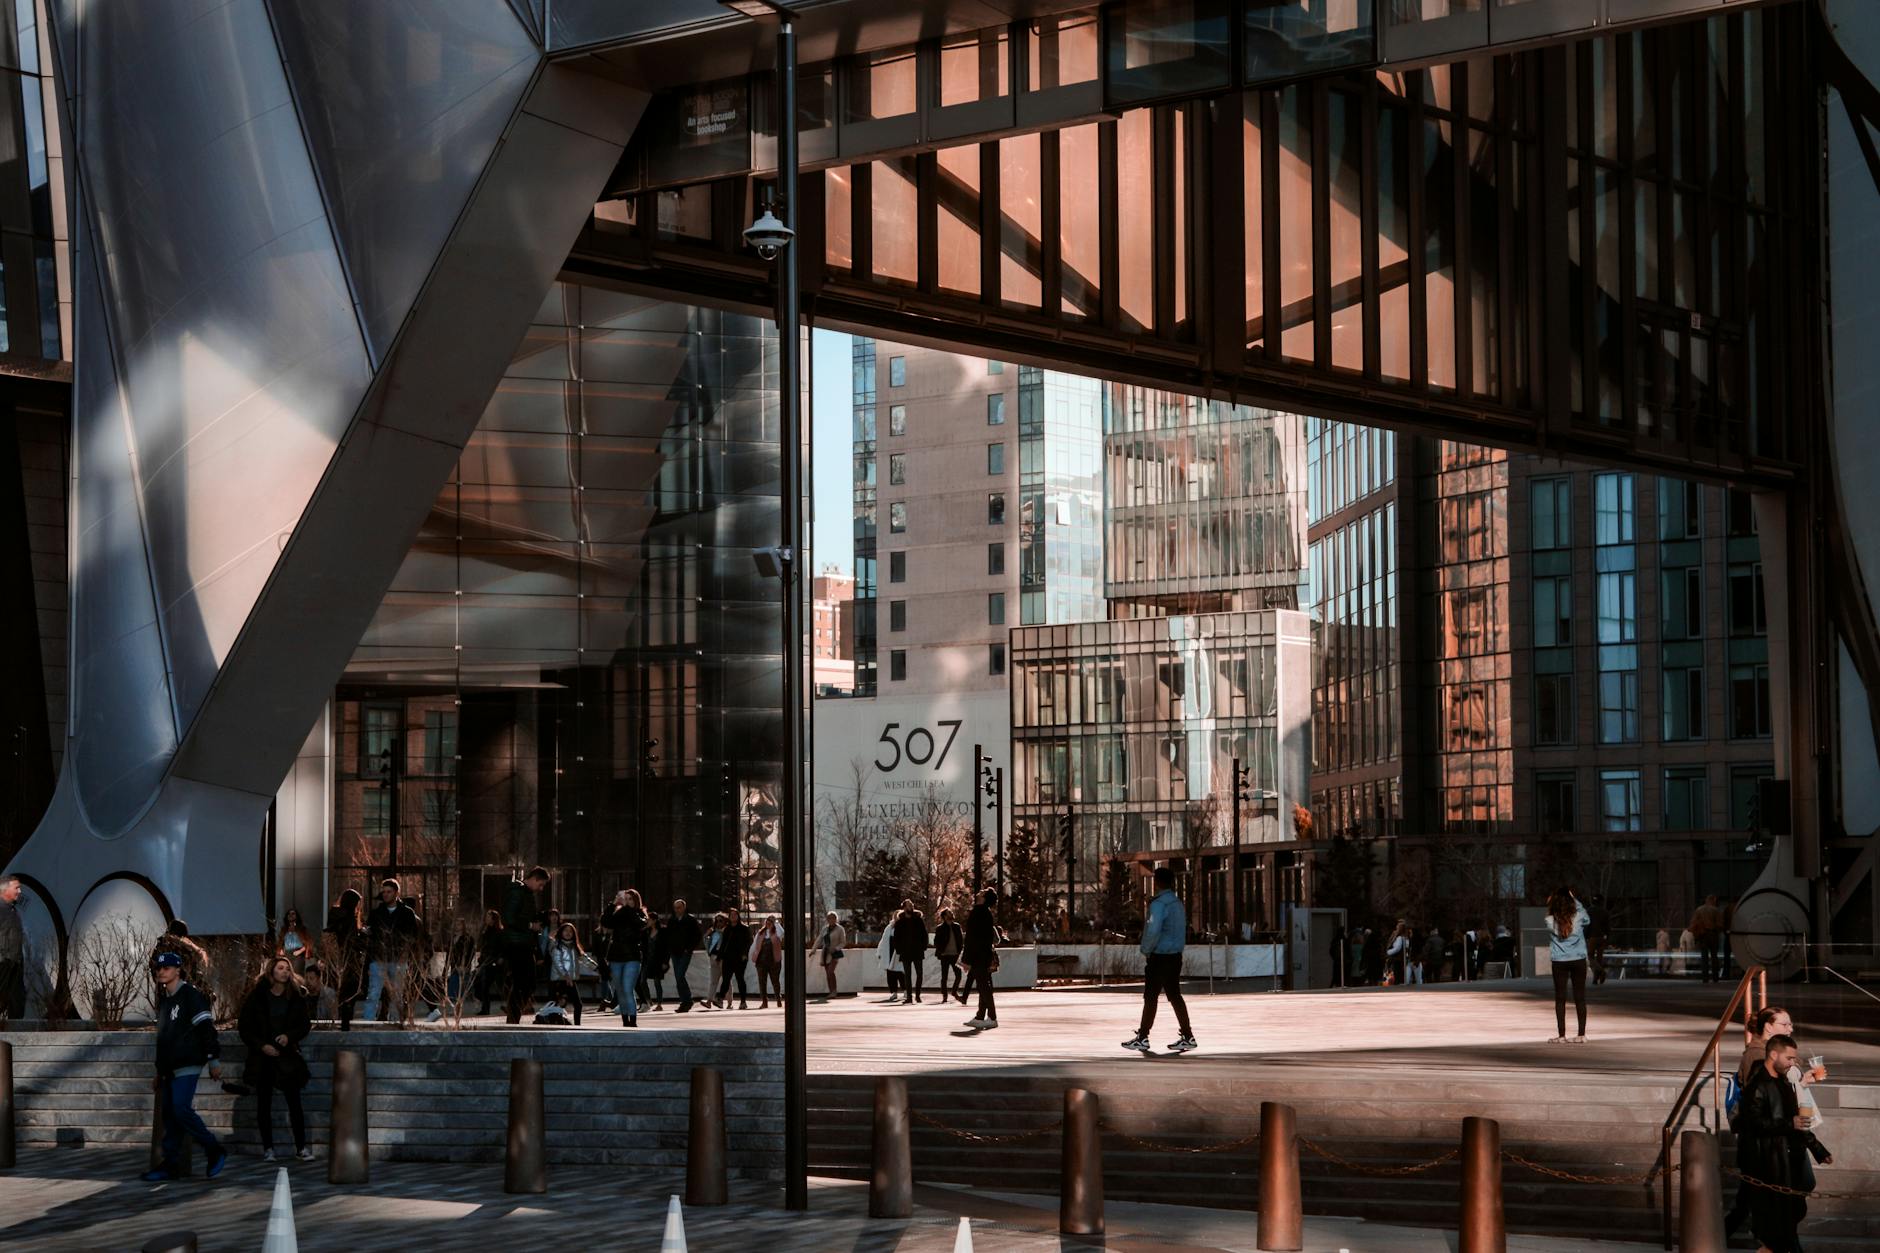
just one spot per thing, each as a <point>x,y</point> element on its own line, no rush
<point>578,664</point>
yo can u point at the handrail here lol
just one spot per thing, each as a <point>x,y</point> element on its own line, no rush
<point>1850,983</point>
<point>1754,976</point>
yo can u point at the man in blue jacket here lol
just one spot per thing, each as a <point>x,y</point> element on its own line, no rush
<point>186,1042</point>
<point>1162,939</point>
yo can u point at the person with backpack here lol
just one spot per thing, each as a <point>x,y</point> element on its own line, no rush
<point>186,1044</point>
<point>1164,936</point>
<point>275,1018</point>
<point>1566,948</point>
<point>522,920</point>
<point>625,925</point>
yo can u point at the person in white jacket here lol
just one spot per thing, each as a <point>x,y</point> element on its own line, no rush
<point>885,951</point>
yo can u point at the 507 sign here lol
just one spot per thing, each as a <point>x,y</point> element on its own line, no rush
<point>918,747</point>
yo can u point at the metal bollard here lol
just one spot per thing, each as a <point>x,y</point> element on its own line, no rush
<point>891,1181</point>
<point>525,1160</point>
<point>1282,1214</point>
<point>1080,1186</point>
<point>173,1242</point>
<point>1700,1195</point>
<point>7,1146</point>
<point>347,1158</point>
<point>1482,1228</point>
<point>705,1151</point>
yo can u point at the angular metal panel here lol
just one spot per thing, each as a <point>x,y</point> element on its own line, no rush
<point>403,105</point>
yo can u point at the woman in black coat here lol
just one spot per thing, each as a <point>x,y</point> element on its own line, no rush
<point>275,1018</point>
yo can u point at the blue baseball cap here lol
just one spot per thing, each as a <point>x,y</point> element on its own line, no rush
<point>169,959</point>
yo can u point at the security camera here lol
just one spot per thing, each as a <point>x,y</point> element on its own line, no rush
<point>768,235</point>
<point>771,562</point>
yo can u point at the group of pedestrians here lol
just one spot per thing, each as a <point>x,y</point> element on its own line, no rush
<point>968,956</point>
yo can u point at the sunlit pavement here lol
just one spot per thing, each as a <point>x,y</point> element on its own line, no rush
<point>69,1199</point>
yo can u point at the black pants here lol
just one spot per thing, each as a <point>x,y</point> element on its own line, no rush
<point>264,1115</point>
<point>1162,976</point>
<point>952,978</point>
<point>1574,971</point>
<point>568,993</point>
<point>981,977</point>
<point>732,970</point>
<point>1712,958</point>
<point>894,978</point>
<point>914,974</point>
<point>12,989</point>
<point>521,963</point>
<point>770,982</point>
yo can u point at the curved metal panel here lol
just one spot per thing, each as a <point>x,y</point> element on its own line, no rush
<point>402,105</point>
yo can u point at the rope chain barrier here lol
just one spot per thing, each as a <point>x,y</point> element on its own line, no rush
<point>979,1138</point>
<point>1163,1146</point>
<point>1784,1190</point>
<point>1572,1177</point>
<point>1363,1169</point>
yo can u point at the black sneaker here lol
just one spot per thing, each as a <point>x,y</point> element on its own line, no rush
<point>160,1175</point>
<point>1185,1044</point>
<point>216,1164</point>
<point>1138,1043</point>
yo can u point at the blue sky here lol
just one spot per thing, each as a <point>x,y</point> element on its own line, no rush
<point>832,537</point>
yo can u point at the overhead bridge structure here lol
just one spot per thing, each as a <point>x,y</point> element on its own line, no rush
<point>308,235</point>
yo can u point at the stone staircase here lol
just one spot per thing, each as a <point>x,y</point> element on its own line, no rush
<point>1582,1124</point>
<point>613,1097</point>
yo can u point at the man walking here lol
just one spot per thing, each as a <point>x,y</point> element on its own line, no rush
<point>1707,929</point>
<point>910,950</point>
<point>1163,937</point>
<point>521,921</point>
<point>1772,1139</point>
<point>186,1043</point>
<point>683,935</point>
<point>12,951</point>
<point>981,958</point>
<point>391,937</point>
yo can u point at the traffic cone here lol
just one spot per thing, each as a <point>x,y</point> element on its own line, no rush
<point>674,1239</point>
<point>280,1237</point>
<point>963,1243</point>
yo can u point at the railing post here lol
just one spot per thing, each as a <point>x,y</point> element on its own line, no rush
<point>891,1179</point>
<point>1700,1195</point>
<point>1080,1185</point>
<point>1664,1180</point>
<point>8,1148</point>
<point>705,1141</point>
<point>348,1160</point>
<point>525,1158</point>
<point>1281,1225</point>
<point>1482,1229</point>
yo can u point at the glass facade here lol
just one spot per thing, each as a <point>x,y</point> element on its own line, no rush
<point>32,210</point>
<point>579,664</point>
<point>1060,498</point>
<point>862,392</point>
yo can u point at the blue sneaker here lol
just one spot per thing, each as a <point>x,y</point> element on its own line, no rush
<point>216,1163</point>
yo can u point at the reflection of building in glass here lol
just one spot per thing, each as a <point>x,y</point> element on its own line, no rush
<point>1131,725</point>
<point>578,664</point>
<point>1536,669</point>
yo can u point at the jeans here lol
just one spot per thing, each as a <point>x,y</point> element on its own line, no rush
<point>384,976</point>
<point>679,962</point>
<point>264,1115</point>
<point>626,984</point>
<point>180,1118</point>
<point>1162,976</point>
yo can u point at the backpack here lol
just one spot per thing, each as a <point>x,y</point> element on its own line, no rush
<point>1732,1098</point>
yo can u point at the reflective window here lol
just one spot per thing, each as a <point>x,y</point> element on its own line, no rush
<point>995,458</point>
<point>1285,38</point>
<point>838,219</point>
<point>1620,800</point>
<point>1684,703</point>
<point>1687,799</point>
<point>1552,502</point>
<point>995,659</point>
<point>995,508</point>
<point>897,615</point>
<point>1298,308</point>
<point>1162,48</point>
<point>974,66</point>
<point>1618,706</point>
<point>1079,219</point>
<point>1553,709</point>
<point>1749,702</point>
<point>1748,612</point>
<point>1553,801</point>
<point>897,468</point>
<point>1021,222</point>
<point>1345,152</point>
<point>995,409</point>
<point>1553,611</point>
<point>1135,213</point>
<point>1681,597</point>
<point>897,371</point>
<point>995,609</point>
<point>995,558</point>
<point>882,85</point>
<point>957,210</point>
<point>897,567</point>
<point>897,665</point>
<point>896,220</point>
<point>897,419</point>
<point>1061,51</point>
<point>897,518</point>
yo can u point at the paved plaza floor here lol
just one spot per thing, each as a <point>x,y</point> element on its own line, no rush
<point>73,1199</point>
<point>1634,1026</point>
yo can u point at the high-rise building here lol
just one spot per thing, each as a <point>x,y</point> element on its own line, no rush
<point>1531,668</point>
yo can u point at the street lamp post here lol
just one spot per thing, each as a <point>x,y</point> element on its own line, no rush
<point>1240,798</point>
<point>998,830</point>
<point>772,236</point>
<point>979,819</point>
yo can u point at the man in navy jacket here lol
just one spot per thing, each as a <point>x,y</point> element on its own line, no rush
<point>186,1043</point>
